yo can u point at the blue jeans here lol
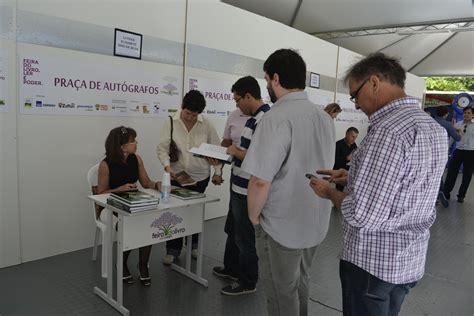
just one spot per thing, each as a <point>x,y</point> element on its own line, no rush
<point>365,294</point>
<point>244,235</point>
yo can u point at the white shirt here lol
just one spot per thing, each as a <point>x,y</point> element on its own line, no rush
<point>467,137</point>
<point>202,132</point>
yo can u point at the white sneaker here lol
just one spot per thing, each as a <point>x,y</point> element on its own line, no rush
<point>194,253</point>
<point>168,259</point>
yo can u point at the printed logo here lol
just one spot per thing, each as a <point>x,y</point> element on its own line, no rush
<point>28,103</point>
<point>156,109</point>
<point>145,109</point>
<point>49,105</point>
<point>39,104</point>
<point>193,84</point>
<point>169,89</point>
<point>166,225</point>
<point>66,105</point>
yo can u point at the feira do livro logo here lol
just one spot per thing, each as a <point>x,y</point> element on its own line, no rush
<point>166,225</point>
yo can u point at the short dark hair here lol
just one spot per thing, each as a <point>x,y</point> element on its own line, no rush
<point>352,129</point>
<point>441,111</point>
<point>194,101</point>
<point>379,64</point>
<point>116,138</point>
<point>467,108</point>
<point>289,66</point>
<point>248,85</point>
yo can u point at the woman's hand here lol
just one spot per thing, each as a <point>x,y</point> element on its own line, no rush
<point>126,187</point>
<point>212,161</point>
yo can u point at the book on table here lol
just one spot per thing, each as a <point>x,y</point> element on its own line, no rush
<point>212,151</point>
<point>131,209</point>
<point>134,198</point>
<point>185,194</point>
<point>184,179</point>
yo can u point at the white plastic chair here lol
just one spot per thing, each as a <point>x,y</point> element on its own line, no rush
<point>101,224</point>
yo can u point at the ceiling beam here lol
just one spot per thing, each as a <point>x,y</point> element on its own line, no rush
<point>295,14</point>
<point>403,25</point>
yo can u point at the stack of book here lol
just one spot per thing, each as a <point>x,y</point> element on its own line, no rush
<point>186,194</point>
<point>133,201</point>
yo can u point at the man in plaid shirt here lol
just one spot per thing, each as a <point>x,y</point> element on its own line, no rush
<point>392,186</point>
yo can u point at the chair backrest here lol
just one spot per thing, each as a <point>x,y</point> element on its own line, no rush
<point>92,180</point>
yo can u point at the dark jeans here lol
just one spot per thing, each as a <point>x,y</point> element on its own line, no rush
<point>231,252</point>
<point>465,157</point>
<point>365,294</point>
<point>173,247</point>
<point>245,241</point>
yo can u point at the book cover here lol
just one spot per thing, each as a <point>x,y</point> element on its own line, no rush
<point>134,197</point>
<point>186,194</point>
<point>184,179</point>
<point>130,209</point>
<point>212,151</point>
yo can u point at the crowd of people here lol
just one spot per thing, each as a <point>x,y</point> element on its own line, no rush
<point>386,188</point>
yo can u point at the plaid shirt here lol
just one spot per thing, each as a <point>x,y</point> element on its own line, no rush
<point>392,187</point>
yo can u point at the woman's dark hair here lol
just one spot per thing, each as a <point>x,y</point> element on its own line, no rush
<point>194,101</point>
<point>116,138</point>
<point>289,66</point>
<point>388,68</point>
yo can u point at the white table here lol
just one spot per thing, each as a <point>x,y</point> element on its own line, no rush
<point>172,220</point>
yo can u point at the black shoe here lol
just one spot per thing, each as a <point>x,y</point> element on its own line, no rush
<point>144,274</point>
<point>237,289</point>
<point>460,199</point>
<point>222,272</point>
<point>126,276</point>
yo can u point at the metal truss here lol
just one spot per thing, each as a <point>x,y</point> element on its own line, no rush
<point>434,27</point>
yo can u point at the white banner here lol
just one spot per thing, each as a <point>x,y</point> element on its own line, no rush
<point>62,82</point>
<point>219,98</point>
<point>3,81</point>
<point>349,113</point>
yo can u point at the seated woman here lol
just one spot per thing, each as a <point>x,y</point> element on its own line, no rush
<point>119,172</point>
<point>333,109</point>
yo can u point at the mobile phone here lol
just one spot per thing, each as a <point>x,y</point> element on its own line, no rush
<point>309,176</point>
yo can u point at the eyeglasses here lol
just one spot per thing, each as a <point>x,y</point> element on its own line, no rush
<point>124,130</point>
<point>353,97</point>
<point>132,143</point>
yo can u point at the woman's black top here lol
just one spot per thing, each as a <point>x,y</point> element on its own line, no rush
<point>122,173</point>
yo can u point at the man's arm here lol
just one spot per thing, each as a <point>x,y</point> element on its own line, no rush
<point>258,191</point>
<point>236,152</point>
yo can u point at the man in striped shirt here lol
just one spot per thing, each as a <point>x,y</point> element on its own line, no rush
<point>392,187</point>
<point>248,98</point>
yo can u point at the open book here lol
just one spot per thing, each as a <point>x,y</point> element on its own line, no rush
<point>212,151</point>
<point>184,179</point>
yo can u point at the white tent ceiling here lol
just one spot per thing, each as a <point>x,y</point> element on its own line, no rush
<point>432,54</point>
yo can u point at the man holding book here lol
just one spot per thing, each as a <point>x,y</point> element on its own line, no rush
<point>190,129</point>
<point>248,98</point>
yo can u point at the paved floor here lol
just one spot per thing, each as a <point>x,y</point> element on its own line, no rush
<point>62,285</point>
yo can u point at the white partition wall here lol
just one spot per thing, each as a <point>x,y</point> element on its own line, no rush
<point>56,151</point>
<point>9,210</point>
<point>53,131</point>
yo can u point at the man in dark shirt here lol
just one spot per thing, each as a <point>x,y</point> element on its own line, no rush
<point>344,149</point>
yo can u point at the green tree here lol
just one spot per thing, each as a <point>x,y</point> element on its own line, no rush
<point>449,83</point>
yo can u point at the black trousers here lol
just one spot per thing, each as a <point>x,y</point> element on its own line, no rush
<point>465,157</point>
<point>173,247</point>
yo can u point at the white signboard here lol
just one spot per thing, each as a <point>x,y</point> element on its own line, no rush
<point>349,113</point>
<point>62,82</point>
<point>128,44</point>
<point>217,92</point>
<point>3,81</point>
<point>314,80</point>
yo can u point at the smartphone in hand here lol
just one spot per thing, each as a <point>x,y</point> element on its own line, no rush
<point>309,176</point>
